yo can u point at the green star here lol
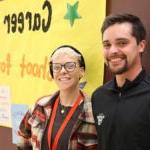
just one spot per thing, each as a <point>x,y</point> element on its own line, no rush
<point>72,13</point>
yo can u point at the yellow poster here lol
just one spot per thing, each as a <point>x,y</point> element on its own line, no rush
<point>31,30</point>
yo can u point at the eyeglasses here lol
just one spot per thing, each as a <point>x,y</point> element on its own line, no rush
<point>69,66</point>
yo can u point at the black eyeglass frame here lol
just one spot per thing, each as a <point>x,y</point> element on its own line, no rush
<point>64,66</point>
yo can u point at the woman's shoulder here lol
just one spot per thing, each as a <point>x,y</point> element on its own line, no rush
<point>44,100</point>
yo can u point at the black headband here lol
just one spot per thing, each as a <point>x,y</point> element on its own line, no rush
<point>81,61</point>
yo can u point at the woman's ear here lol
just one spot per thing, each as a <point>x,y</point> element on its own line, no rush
<point>82,72</point>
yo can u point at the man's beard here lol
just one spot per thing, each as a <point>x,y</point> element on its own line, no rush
<point>120,70</point>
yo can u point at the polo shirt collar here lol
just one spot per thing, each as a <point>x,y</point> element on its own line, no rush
<point>129,84</point>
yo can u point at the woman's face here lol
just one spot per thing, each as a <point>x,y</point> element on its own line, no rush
<point>67,72</point>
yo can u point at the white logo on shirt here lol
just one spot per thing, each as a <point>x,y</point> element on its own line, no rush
<point>100,118</point>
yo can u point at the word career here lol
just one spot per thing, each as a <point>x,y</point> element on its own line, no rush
<point>34,22</point>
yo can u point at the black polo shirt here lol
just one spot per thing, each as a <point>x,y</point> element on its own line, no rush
<point>122,115</point>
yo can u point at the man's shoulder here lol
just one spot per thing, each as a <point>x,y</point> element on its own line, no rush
<point>104,87</point>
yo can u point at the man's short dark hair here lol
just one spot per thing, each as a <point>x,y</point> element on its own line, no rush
<point>138,29</point>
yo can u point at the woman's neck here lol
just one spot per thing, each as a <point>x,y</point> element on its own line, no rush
<point>67,98</point>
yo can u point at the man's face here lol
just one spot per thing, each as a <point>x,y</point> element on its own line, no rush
<point>121,50</point>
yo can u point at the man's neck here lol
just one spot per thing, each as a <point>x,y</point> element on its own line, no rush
<point>130,75</point>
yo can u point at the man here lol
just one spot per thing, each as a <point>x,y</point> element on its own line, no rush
<point>122,106</point>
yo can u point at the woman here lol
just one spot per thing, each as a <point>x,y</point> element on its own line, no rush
<point>63,121</point>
